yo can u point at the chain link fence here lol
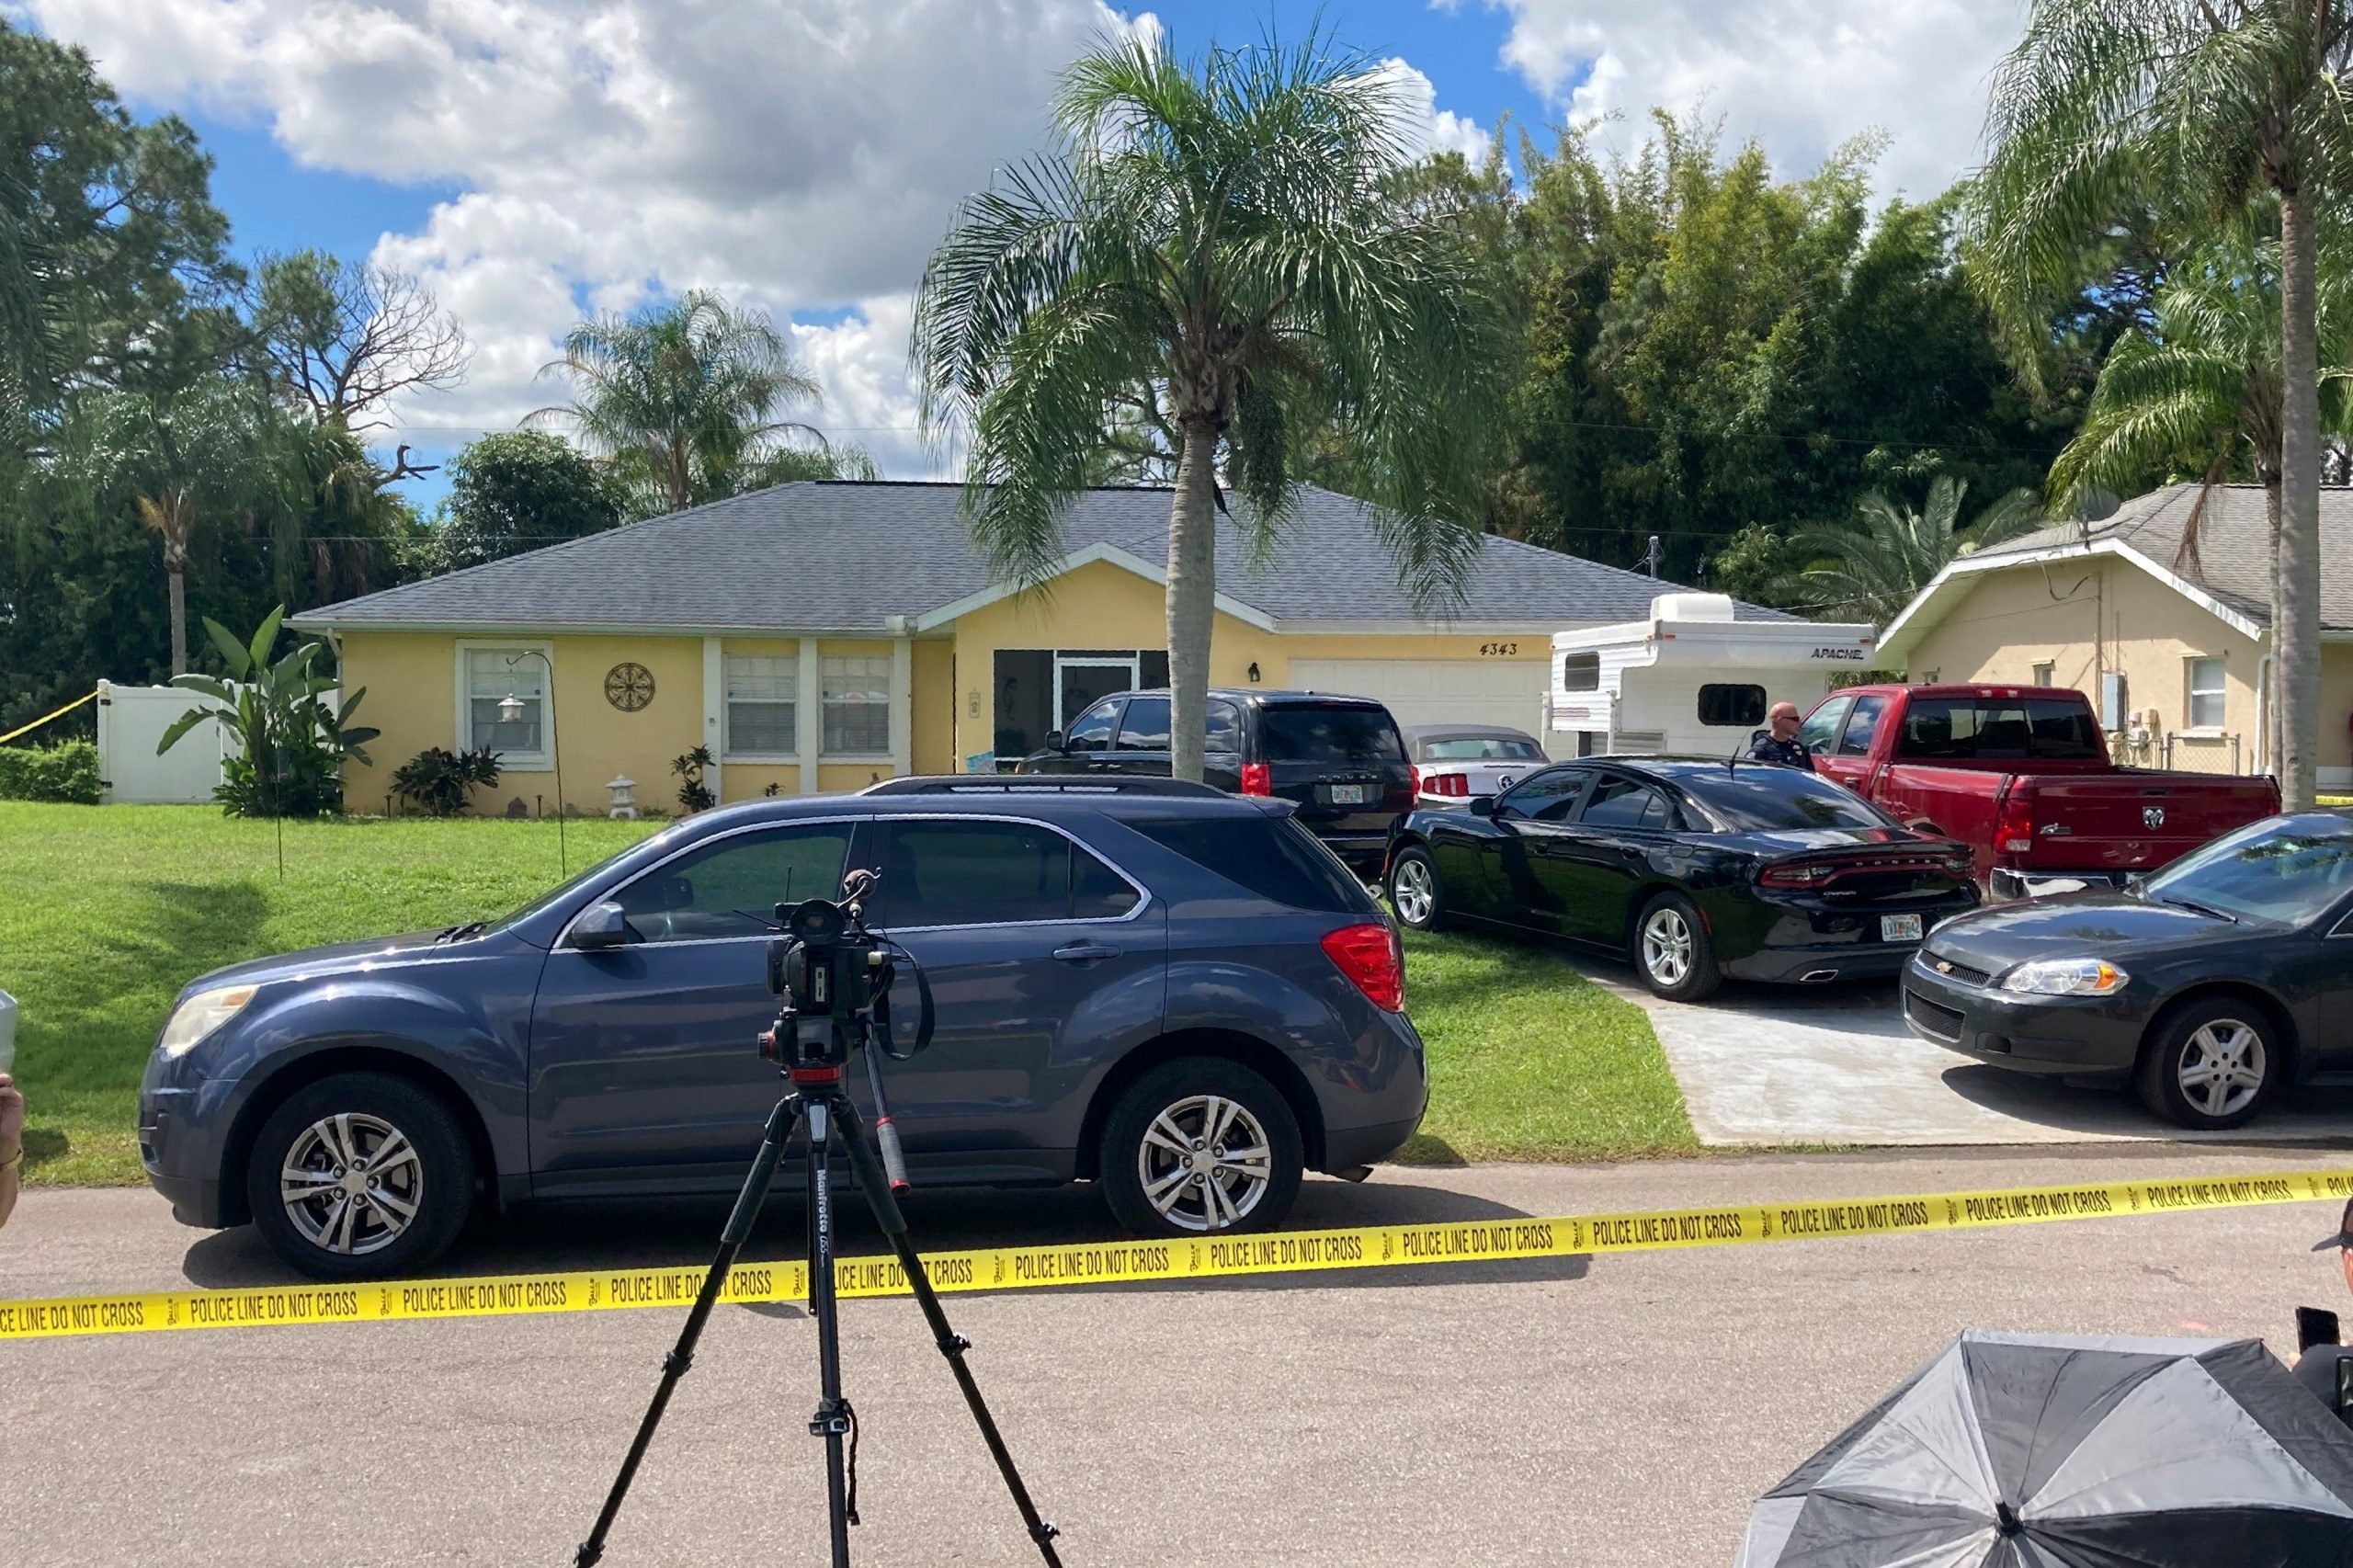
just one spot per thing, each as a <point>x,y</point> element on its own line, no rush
<point>2228,754</point>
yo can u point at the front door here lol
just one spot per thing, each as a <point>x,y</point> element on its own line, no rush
<point>644,1067</point>
<point>1531,817</point>
<point>1081,679</point>
<point>1044,963</point>
<point>1594,867</point>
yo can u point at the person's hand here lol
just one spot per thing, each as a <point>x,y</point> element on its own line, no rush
<point>12,1117</point>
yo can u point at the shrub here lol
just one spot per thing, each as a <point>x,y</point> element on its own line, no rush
<point>68,773</point>
<point>437,780</point>
<point>290,744</point>
<point>694,794</point>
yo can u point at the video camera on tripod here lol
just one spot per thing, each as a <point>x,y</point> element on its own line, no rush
<point>836,977</point>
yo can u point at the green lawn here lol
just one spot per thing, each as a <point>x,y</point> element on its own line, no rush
<point>1531,1061</point>
<point>105,912</point>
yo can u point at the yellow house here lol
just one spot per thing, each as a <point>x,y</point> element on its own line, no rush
<point>822,636</point>
<point>2173,646</point>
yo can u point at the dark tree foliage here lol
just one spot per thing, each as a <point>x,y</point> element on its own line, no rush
<point>513,491</point>
<point>1706,351</point>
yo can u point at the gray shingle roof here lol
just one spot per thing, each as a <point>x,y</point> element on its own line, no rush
<point>828,556</point>
<point>2233,557</point>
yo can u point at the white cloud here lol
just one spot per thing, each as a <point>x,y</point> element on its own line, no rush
<point>796,155</point>
<point>1427,127</point>
<point>1800,77</point>
<point>799,155</point>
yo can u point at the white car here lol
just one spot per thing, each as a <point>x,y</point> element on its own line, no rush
<point>1454,762</point>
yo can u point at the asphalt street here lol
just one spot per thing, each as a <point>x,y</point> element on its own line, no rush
<point>1621,1410</point>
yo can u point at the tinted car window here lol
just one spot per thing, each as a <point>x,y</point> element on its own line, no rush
<point>1480,748</point>
<point>1618,803</point>
<point>1764,798</point>
<point>1144,726</point>
<point>1096,892</point>
<point>974,873</point>
<point>1296,733</point>
<point>1092,731</point>
<point>1861,725</point>
<point>2007,727</point>
<point>2288,871</point>
<point>1225,727</point>
<point>1822,725</point>
<point>1547,796</point>
<point>1276,860</point>
<point>732,888</point>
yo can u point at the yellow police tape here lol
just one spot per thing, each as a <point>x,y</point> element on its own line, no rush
<point>58,713</point>
<point>1010,1268</point>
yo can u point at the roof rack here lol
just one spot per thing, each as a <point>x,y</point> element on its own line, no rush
<point>1041,784</point>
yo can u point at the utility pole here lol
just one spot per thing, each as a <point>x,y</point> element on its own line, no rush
<point>1649,556</point>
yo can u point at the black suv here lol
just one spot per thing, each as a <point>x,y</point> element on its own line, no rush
<point>1338,759</point>
<point>1176,994</point>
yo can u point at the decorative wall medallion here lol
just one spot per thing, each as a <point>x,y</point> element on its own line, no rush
<point>628,687</point>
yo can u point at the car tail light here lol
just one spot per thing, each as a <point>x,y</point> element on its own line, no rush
<point>1414,775</point>
<point>2014,828</point>
<point>1369,956</point>
<point>1446,784</point>
<point>1798,874</point>
<point>1257,779</point>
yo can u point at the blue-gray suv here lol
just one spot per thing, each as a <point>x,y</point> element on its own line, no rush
<point>1176,994</point>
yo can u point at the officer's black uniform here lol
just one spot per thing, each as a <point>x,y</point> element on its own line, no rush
<point>1789,754</point>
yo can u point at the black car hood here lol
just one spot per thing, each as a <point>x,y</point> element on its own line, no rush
<point>2104,924</point>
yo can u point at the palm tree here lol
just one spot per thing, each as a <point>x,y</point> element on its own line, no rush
<point>681,401</point>
<point>1227,235</point>
<point>179,458</point>
<point>2193,105</point>
<point>2201,385</point>
<point>1873,574</point>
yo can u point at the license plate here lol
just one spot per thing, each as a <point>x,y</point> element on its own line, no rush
<point>1347,794</point>
<point>1899,927</point>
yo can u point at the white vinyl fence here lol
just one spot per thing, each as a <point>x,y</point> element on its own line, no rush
<point>132,720</point>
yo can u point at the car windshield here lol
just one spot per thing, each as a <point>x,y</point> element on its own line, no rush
<point>1480,748</point>
<point>578,880</point>
<point>1762,798</point>
<point>1299,734</point>
<point>2286,871</point>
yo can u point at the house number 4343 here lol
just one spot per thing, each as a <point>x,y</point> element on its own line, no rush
<point>1498,650</point>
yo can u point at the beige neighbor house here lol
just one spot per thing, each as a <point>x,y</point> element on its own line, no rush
<point>2173,648</point>
<point>822,636</point>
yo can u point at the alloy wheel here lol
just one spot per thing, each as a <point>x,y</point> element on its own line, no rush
<point>1666,945</point>
<point>1413,890</point>
<point>1204,1163</point>
<point>351,1182</point>
<point>2220,1067</point>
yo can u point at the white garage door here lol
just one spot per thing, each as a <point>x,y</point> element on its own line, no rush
<point>1436,691</point>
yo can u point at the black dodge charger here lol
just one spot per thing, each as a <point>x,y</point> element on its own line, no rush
<point>1694,867</point>
<point>2208,985</point>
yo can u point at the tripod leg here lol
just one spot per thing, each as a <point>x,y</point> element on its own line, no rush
<point>833,1420</point>
<point>952,1344</point>
<point>682,1356</point>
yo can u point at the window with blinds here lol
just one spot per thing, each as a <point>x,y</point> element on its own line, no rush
<point>763,705</point>
<point>856,697</point>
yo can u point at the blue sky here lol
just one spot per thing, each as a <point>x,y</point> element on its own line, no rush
<point>539,158</point>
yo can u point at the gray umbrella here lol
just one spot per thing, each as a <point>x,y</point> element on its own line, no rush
<point>2029,1452</point>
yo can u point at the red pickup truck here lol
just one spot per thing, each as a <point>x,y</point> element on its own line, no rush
<point>2022,774</point>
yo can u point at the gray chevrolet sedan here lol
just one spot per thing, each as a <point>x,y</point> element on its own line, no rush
<point>1176,994</point>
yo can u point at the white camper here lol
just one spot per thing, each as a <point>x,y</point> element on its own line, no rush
<point>1691,678</point>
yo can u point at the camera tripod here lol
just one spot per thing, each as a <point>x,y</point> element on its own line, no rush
<point>816,1047</point>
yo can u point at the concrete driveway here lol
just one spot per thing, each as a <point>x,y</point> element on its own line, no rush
<point>1773,1065</point>
<point>1620,1411</point>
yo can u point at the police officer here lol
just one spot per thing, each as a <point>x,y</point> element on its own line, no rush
<point>1782,745</point>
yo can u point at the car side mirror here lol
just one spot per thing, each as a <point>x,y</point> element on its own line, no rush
<point>1482,805</point>
<point>1053,740</point>
<point>601,926</point>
